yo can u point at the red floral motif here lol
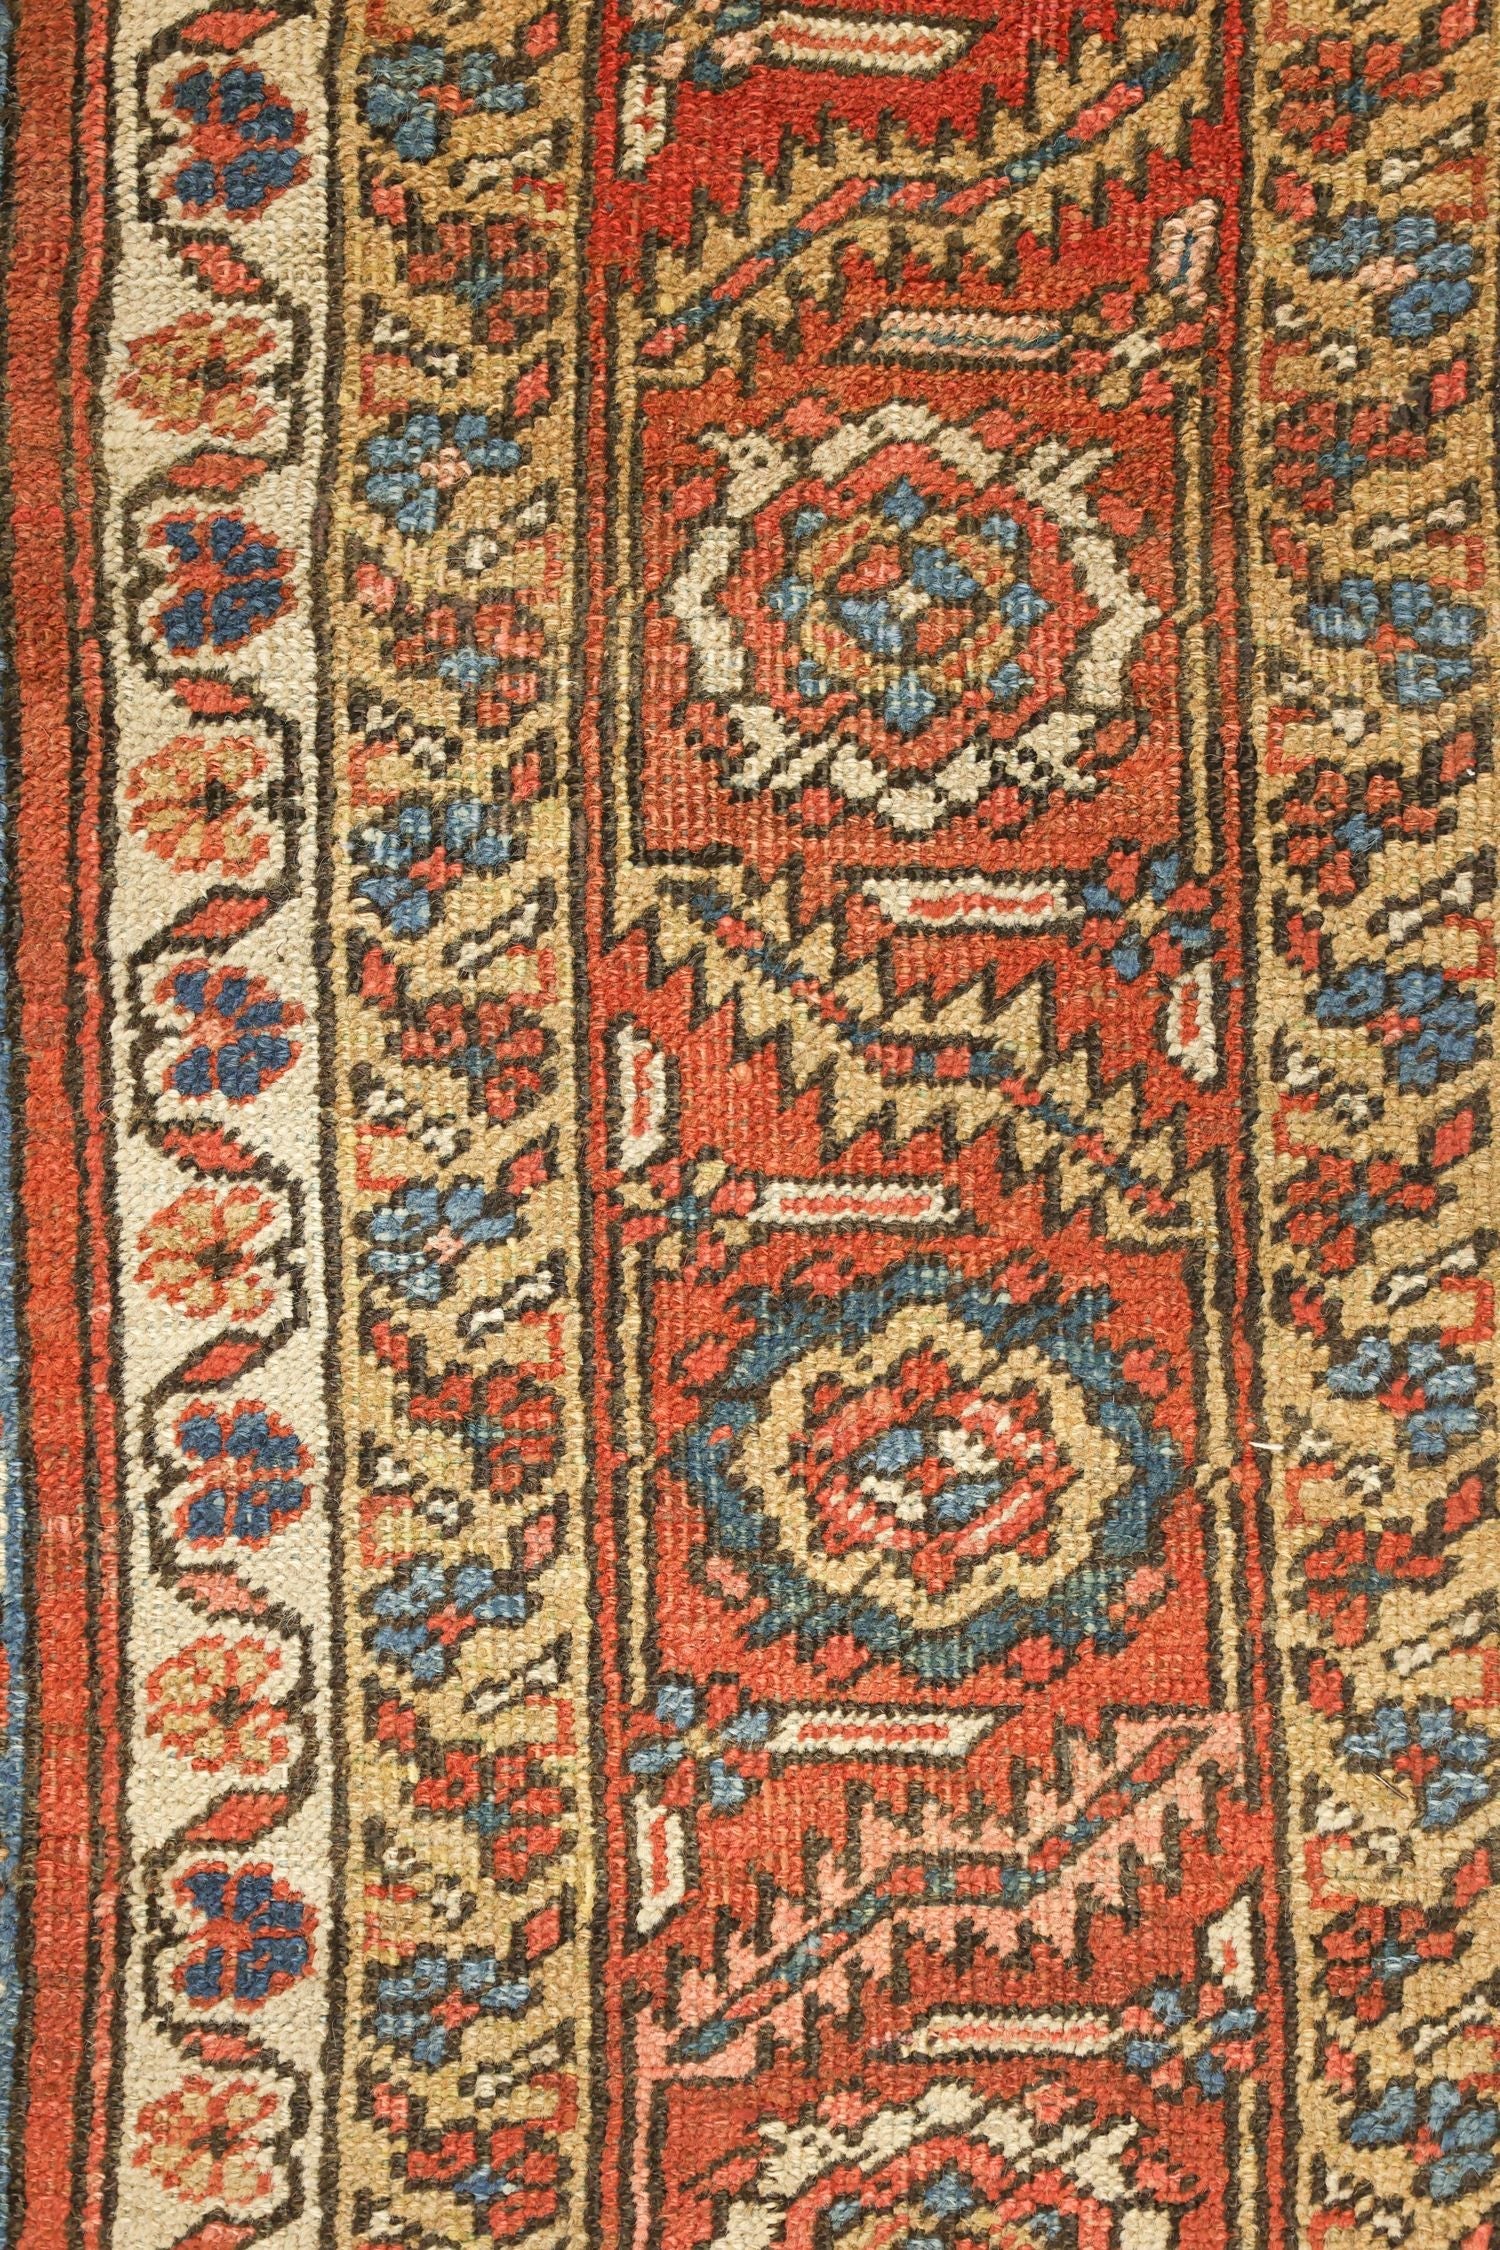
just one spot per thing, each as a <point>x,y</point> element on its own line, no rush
<point>1333,1204</point>
<point>513,2173</point>
<point>198,373</point>
<point>1371,1951</point>
<point>1352,1567</point>
<point>208,1704</point>
<point>197,1253</point>
<point>501,267</point>
<point>1330,90</point>
<point>517,1807</point>
<point>197,803</point>
<point>211,2141</point>
<point>497,1046</point>
<point>490,653</point>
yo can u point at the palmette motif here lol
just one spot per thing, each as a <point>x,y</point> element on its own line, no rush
<point>778,862</point>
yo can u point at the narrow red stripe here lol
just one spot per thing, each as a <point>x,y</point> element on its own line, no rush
<point>65,1294</point>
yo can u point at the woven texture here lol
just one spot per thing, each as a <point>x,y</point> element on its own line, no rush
<point>746,1213</point>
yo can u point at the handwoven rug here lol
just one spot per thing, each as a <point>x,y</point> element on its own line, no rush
<point>746,1304</point>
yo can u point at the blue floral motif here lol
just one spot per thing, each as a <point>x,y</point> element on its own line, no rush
<point>1425,638</point>
<point>1430,1391</point>
<point>1431,1747</point>
<point>413,471</point>
<point>1158,916</point>
<point>250,1474</point>
<point>268,159</point>
<point>1166,2034</point>
<point>257,1939</point>
<point>717,1752</point>
<point>1434,289</point>
<point>403,90</point>
<point>236,583</point>
<point>419,1237</point>
<point>1427,1021</point>
<point>1462,2128</point>
<point>422,2008</point>
<point>416,851</point>
<point>242,1043</point>
<point>431,1608</point>
<point>903,603</point>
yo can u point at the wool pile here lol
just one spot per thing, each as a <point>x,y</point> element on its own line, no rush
<point>747,1218</point>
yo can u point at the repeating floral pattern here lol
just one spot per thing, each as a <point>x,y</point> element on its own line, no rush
<point>470,1988</point>
<point>215,320</point>
<point>1372,567</point>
